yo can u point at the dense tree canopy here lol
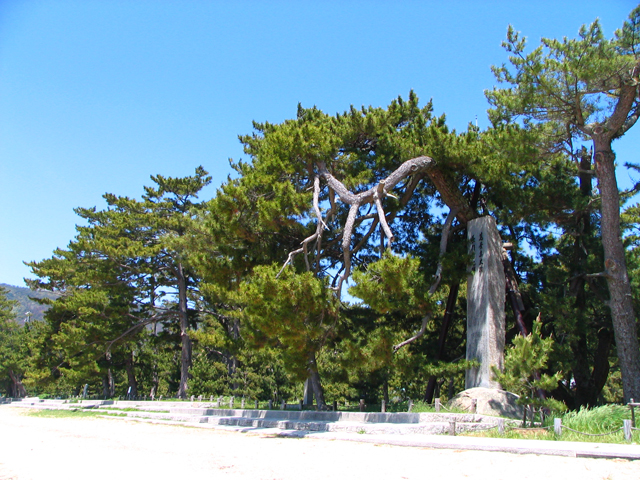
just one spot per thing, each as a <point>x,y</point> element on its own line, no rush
<point>337,253</point>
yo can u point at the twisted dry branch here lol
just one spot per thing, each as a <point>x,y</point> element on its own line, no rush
<point>373,196</point>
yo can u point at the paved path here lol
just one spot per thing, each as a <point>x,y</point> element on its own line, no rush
<point>50,448</point>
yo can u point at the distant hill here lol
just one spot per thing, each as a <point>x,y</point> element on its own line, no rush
<point>25,304</point>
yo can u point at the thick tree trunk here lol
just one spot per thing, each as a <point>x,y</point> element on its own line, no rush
<point>315,382</point>
<point>17,388</point>
<point>185,356</point>
<point>620,300</point>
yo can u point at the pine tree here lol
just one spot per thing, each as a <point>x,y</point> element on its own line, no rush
<point>577,89</point>
<point>12,349</point>
<point>524,364</point>
<point>119,275</point>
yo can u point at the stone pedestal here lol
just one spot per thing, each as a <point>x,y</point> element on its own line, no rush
<point>485,303</point>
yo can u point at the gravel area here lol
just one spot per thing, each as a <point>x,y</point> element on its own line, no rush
<point>34,448</point>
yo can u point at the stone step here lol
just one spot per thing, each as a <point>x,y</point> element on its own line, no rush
<point>176,417</point>
<point>429,428</point>
<point>362,417</point>
<point>293,420</point>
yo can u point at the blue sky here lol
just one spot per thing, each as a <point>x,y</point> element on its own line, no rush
<point>96,96</point>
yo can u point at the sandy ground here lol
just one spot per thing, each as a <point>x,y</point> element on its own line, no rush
<point>93,448</point>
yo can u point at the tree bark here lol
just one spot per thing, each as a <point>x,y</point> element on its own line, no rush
<point>112,384</point>
<point>17,388</point>
<point>315,382</point>
<point>615,269</point>
<point>589,373</point>
<point>451,195</point>
<point>185,355</point>
<point>513,292</point>
<point>155,381</point>
<point>108,385</point>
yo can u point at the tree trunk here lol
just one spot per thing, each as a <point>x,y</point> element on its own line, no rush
<point>17,388</point>
<point>112,384</point>
<point>154,385</point>
<point>385,389</point>
<point>105,386</point>
<point>513,293</point>
<point>185,356</point>
<point>230,359</point>
<point>588,381</point>
<point>316,384</point>
<point>131,377</point>
<point>620,300</point>
<point>444,330</point>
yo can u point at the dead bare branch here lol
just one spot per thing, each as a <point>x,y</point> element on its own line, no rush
<point>443,249</point>
<point>420,333</point>
<point>446,229</point>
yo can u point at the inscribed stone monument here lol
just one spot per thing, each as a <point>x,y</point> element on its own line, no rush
<point>485,303</point>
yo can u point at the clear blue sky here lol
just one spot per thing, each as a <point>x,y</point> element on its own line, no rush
<point>96,95</point>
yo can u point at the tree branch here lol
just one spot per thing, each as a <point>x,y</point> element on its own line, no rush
<point>372,196</point>
<point>443,249</point>
<point>420,333</point>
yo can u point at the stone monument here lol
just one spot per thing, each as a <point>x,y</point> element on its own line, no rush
<point>485,303</point>
<point>307,396</point>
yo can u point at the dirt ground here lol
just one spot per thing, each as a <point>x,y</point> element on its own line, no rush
<point>49,448</point>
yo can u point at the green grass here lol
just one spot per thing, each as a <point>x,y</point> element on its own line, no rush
<point>600,421</point>
<point>596,420</point>
<point>74,413</point>
<point>400,407</point>
<point>71,413</point>
<point>421,407</point>
<point>132,409</point>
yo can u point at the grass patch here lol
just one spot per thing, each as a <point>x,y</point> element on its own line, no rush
<point>70,413</point>
<point>398,407</point>
<point>601,425</point>
<point>132,409</point>
<point>597,420</point>
<point>422,407</point>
